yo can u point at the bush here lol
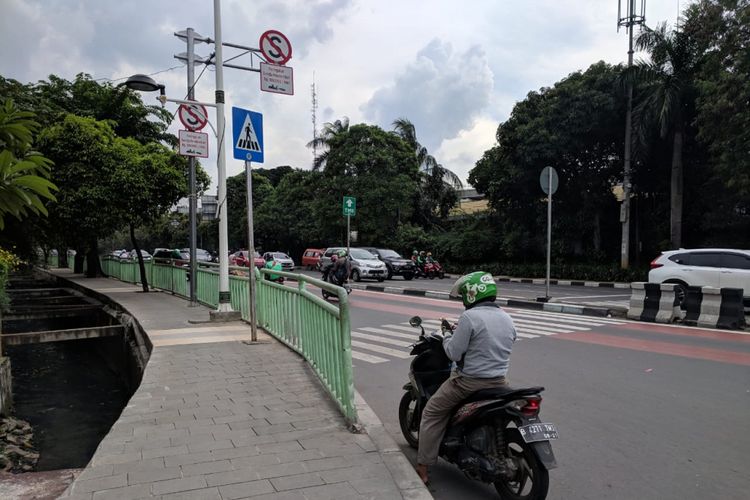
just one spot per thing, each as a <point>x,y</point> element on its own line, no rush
<point>8,262</point>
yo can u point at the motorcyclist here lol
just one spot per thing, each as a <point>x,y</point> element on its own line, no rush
<point>428,259</point>
<point>340,268</point>
<point>480,346</point>
<point>274,265</point>
<point>421,261</point>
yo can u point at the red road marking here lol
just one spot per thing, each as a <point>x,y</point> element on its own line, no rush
<point>688,332</point>
<point>657,347</point>
<point>414,299</point>
<point>408,312</point>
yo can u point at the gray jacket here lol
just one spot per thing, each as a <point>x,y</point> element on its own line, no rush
<point>482,341</point>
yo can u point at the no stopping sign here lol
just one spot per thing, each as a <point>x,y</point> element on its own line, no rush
<point>275,47</point>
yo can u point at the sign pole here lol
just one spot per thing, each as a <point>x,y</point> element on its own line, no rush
<point>191,164</point>
<point>549,228</point>
<point>250,252</point>
<point>348,234</point>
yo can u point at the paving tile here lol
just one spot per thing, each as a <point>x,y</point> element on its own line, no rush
<point>178,485</point>
<point>100,483</point>
<point>296,482</point>
<point>230,477</point>
<point>206,468</point>
<point>201,494</point>
<point>129,492</point>
<point>245,490</point>
<point>339,491</point>
<point>153,475</point>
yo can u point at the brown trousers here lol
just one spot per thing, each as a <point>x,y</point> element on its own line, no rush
<point>439,408</point>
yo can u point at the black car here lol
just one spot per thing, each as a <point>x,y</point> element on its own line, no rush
<point>396,265</point>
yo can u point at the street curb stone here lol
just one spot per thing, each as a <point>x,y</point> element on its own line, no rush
<point>602,312</point>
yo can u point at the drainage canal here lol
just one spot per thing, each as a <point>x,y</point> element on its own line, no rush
<point>73,369</point>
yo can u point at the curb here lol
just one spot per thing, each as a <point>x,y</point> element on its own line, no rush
<point>402,471</point>
<point>601,312</point>
<point>542,281</point>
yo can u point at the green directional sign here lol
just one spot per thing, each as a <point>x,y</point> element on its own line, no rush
<point>350,206</point>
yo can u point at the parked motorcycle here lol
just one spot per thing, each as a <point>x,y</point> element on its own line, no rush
<point>494,436</point>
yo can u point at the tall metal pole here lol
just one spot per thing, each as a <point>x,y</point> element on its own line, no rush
<point>348,249</point>
<point>549,227</point>
<point>191,163</point>
<point>625,250</point>
<point>630,20</point>
<point>224,296</point>
<point>251,251</point>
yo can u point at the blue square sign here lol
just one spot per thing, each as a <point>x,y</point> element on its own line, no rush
<point>247,135</point>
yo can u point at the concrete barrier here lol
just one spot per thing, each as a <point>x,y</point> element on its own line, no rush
<point>721,308</point>
<point>654,303</point>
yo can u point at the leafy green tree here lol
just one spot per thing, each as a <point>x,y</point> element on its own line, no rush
<point>380,170</point>
<point>724,89</point>
<point>237,206</point>
<point>666,91</point>
<point>24,173</point>
<point>147,180</point>
<point>439,184</point>
<point>287,219</point>
<point>574,126</point>
<point>331,131</point>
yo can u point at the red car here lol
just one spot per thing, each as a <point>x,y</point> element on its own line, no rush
<point>311,257</point>
<point>240,258</point>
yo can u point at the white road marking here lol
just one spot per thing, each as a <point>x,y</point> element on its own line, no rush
<point>383,340</point>
<point>367,357</point>
<point>380,349</point>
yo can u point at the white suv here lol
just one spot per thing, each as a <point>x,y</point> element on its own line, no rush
<point>716,267</point>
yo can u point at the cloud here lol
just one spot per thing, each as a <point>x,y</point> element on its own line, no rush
<point>441,93</point>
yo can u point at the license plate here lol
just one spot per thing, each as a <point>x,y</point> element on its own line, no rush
<point>538,432</point>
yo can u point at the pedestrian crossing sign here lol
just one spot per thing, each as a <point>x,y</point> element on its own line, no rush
<point>247,128</point>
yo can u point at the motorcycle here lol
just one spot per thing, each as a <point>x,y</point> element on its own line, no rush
<point>433,270</point>
<point>329,277</point>
<point>494,436</point>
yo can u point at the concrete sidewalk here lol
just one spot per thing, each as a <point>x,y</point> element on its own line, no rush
<point>219,417</point>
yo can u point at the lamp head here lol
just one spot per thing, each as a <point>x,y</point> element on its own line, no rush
<point>143,83</point>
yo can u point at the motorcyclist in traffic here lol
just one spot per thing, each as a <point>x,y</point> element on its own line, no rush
<point>340,269</point>
<point>480,346</point>
<point>274,265</point>
<point>428,259</point>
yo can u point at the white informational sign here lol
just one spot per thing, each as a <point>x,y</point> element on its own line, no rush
<point>278,79</point>
<point>193,144</point>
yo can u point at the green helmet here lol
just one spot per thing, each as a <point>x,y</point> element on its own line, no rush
<point>474,287</point>
<point>342,253</point>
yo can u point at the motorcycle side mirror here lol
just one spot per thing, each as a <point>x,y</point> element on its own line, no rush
<point>415,321</point>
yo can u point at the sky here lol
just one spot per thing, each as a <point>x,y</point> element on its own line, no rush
<point>454,69</point>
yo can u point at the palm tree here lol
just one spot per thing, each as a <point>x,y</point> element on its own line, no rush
<point>427,163</point>
<point>666,86</point>
<point>330,132</point>
<point>23,173</point>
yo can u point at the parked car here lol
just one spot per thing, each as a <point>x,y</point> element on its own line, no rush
<point>716,267</point>
<point>200,254</point>
<point>311,258</point>
<point>287,264</point>
<point>395,263</point>
<point>134,256</point>
<point>240,258</point>
<point>364,264</point>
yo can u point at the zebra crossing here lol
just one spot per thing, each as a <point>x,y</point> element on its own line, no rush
<point>392,341</point>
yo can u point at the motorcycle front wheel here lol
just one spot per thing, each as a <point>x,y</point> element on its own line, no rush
<point>408,419</point>
<point>531,480</point>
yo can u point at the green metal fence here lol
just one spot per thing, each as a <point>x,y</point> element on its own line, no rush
<point>313,327</point>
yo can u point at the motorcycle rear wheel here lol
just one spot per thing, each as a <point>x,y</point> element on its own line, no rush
<point>532,480</point>
<point>407,413</point>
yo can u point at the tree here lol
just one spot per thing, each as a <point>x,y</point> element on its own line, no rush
<point>331,131</point>
<point>666,90</point>
<point>146,181</point>
<point>237,205</point>
<point>439,184</point>
<point>380,170</point>
<point>24,173</point>
<point>574,126</point>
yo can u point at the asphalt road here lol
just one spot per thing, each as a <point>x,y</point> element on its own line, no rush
<point>596,296</point>
<point>643,411</point>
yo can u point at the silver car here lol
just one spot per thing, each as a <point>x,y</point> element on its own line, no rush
<point>287,264</point>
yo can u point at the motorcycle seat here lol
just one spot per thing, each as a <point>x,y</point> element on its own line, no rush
<point>502,393</point>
